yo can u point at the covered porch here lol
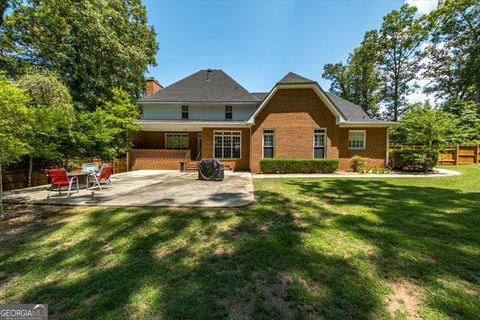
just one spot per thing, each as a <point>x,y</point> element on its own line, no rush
<point>164,144</point>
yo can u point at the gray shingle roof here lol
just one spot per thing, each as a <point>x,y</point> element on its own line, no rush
<point>203,86</point>
<point>260,95</point>
<point>294,78</point>
<point>353,112</point>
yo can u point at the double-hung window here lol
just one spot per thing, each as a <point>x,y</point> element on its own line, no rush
<point>176,141</point>
<point>227,144</point>
<point>356,139</point>
<point>184,112</point>
<point>319,138</point>
<point>228,113</point>
<point>268,143</point>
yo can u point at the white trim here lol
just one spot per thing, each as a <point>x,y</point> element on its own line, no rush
<point>337,113</point>
<point>364,139</point>
<point>324,143</point>
<point>199,102</point>
<point>187,125</point>
<point>385,124</point>
<point>263,141</point>
<point>213,143</point>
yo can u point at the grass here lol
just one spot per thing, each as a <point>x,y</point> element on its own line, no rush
<point>307,249</point>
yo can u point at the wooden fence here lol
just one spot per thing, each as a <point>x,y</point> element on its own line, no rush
<point>461,154</point>
<point>19,180</point>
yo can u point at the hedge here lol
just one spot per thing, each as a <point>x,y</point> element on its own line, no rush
<point>413,160</point>
<point>298,165</point>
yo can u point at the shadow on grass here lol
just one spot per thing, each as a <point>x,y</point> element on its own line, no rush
<point>428,235</point>
<point>253,262</point>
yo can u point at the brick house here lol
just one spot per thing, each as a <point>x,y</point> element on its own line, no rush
<point>210,115</point>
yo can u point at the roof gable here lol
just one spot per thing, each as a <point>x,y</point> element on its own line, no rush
<point>203,86</point>
<point>291,78</point>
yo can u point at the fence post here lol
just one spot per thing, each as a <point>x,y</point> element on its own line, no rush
<point>477,154</point>
<point>457,154</point>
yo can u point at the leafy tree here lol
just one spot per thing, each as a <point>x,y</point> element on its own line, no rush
<point>339,75</point>
<point>454,63</point>
<point>51,109</point>
<point>358,81</point>
<point>103,133</point>
<point>467,114</point>
<point>94,45</point>
<point>119,114</point>
<point>400,37</point>
<point>14,123</point>
<point>423,125</point>
<point>365,75</point>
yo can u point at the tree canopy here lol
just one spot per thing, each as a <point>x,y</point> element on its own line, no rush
<point>93,45</point>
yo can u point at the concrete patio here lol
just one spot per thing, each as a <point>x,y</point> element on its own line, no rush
<point>150,188</point>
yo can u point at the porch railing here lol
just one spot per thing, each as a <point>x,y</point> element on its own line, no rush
<point>160,154</point>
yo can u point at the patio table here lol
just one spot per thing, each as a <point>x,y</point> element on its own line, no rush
<point>82,178</point>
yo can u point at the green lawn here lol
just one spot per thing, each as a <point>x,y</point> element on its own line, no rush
<point>307,249</point>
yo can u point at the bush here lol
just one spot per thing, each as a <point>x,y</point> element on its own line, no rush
<point>297,165</point>
<point>359,164</point>
<point>413,160</point>
<point>380,170</point>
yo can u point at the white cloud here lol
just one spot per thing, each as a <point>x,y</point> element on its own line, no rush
<point>423,6</point>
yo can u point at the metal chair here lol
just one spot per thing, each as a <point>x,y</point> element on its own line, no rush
<point>104,176</point>
<point>58,177</point>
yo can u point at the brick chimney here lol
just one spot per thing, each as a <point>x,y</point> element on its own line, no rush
<point>152,86</point>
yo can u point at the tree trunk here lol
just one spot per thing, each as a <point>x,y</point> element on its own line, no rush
<point>2,213</point>
<point>30,170</point>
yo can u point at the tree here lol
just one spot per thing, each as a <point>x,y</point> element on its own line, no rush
<point>339,76</point>
<point>467,114</point>
<point>14,123</point>
<point>365,75</point>
<point>119,114</point>
<point>400,37</point>
<point>454,63</point>
<point>103,133</point>
<point>93,45</point>
<point>423,125</point>
<point>51,109</point>
<point>358,81</point>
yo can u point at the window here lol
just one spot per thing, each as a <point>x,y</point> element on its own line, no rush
<point>176,141</point>
<point>319,137</point>
<point>228,112</point>
<point>356,139</point>
<point>268,138</point>
<point>227,144</point>
<point>184,112</point>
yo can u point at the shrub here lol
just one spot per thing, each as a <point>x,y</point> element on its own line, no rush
<point>380,170</point>
<point>359,164</point>
<point>298,165</point>
<point>413,160</point>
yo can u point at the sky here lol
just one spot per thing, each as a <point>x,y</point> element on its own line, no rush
<point>258,42</point>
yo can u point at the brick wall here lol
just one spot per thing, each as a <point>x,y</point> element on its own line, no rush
<point>375,148</point>
<point>156,159</point>
<point>294,114</point>
<point>156,140</point>
<point>236,165</point>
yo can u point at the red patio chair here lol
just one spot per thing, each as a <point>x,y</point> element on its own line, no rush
<point>104,176</point>
<point>58,177</point>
